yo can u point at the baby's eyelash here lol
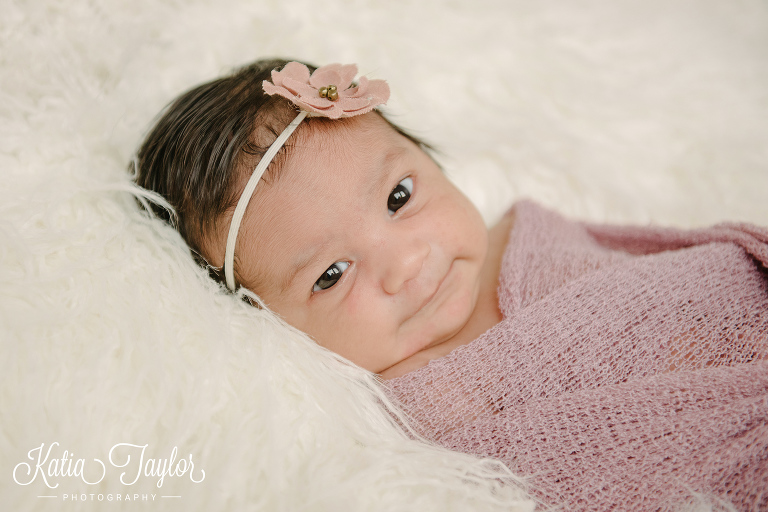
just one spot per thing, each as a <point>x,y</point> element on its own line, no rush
<point>400,195</point>
<point>331,276</point>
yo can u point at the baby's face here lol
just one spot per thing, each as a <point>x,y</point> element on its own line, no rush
<point>364,244</point>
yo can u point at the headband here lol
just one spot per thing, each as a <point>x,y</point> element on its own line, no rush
<point>328,92</point>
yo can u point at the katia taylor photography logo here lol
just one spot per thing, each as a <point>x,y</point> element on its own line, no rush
<point>133,462</point>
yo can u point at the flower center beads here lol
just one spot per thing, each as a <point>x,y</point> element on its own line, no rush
<point>329,92</point>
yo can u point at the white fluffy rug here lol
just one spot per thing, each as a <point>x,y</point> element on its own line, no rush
<point>632,111</point>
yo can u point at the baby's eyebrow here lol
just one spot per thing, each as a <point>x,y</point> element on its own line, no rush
<point>298,267</point>
<point>392,156</point>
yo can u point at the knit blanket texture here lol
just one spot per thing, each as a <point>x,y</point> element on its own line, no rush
<point>628,373</point>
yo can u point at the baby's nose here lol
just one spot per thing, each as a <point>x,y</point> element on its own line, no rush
<point>402,263</point>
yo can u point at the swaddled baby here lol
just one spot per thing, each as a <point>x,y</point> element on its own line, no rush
<point>294,190</point>
<point>353,234</point>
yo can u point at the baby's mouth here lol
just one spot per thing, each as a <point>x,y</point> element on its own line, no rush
<point>438,287</point>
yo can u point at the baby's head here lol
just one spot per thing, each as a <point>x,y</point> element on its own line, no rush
<point>353,234</point>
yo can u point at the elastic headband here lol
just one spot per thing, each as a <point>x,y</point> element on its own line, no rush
<point>328,92</point>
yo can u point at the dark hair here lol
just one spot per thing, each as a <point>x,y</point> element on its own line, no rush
<point>191,155</point>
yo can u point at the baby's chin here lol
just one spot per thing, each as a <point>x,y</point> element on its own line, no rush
<point>445,323</point>
<point>423,347</point>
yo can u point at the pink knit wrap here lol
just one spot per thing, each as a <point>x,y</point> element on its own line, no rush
<point>629,370</point>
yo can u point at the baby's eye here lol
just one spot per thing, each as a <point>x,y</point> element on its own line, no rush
<point>400,195</point>
<point>331,275</point>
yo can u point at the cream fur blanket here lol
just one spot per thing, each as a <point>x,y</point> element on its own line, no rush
<point>641,111</point>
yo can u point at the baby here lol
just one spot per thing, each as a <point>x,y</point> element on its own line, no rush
<point>625,367</point>
<point>354,236</point>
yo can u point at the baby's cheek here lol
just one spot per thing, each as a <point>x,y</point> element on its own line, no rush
<point>364,315</point>
<point>366,333</point>
<point>469,238</point>
<point>352,303</point>
<point>359,307</point>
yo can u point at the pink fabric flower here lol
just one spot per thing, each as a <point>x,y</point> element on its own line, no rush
<point>295,83</point>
